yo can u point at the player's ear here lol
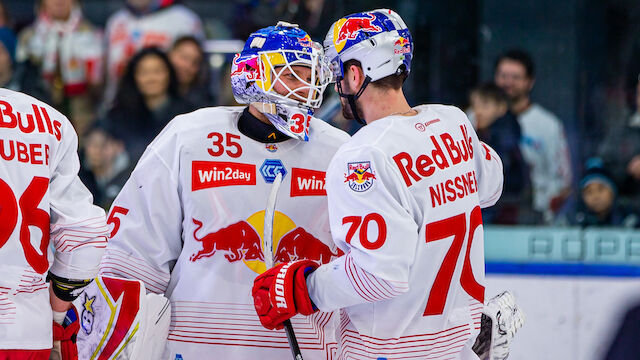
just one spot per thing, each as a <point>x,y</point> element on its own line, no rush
<point>355,76</point>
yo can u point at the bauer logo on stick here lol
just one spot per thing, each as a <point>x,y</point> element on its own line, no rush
<point>360,176</point>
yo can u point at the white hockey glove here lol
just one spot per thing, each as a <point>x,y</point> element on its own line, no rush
<point>119,320</point>
<point>501,318</point>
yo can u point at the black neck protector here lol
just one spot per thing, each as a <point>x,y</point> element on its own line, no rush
<point>351,98</point>
<point>255,129</point>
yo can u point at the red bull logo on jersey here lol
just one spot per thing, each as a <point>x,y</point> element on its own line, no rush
<point>242,241</point>
<point>271,147</point>
<point>360,176</point>
<point>401,46</point>
<point>349,28</point>
<point>248,68</point>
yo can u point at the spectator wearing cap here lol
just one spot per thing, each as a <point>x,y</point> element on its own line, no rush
<point>598,205</point>
<point>620,151</point>
<point>67,51</point>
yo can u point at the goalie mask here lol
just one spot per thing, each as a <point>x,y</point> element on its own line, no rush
<point>272,59</point>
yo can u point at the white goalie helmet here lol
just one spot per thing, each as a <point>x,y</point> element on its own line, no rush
<point>270,54</point>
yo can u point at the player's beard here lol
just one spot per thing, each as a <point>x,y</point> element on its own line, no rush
<point>346,108</point>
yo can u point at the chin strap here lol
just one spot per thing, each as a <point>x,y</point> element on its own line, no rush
<point>351,98</point>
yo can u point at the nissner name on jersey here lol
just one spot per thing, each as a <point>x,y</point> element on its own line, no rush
<point>447,152</point>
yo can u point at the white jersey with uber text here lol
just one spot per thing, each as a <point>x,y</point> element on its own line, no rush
<point>404,201</point>
<point>42,202</point>
<point>189,223</point>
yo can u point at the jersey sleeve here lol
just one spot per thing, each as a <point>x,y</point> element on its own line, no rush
<point>489,169</point>
<point>78,228</point>
<point>490,175</point>
<point>147,221</point>
<point>369,221</point>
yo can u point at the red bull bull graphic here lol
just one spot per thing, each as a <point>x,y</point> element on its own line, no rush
<point>242,241</point>
<point>349,28</point>
<point>299,244</point>
<point>307,42</point>
<point>360,176</point>
<point>238,241</point>
<point>402,46</point>
<point>249,68</point>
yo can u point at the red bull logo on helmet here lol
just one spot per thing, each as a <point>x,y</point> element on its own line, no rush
<point>249,68</point>
<point>360,176</point>
<point>242,241</point>
<point>349,28</point>
<point>401,46</point>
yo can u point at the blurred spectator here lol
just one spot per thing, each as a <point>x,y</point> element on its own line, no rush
<point>544,144</point>
<point>23,77</point>
<point>5,20</point>
<point>106,163</point>
<point>598,205</point>
<point>7,50</point>
<point>147,99</point>
<point>621,154</point>
<point>144,23</point>
<point>67,50</point>
<point>499,128</point>
<point>187,57</point>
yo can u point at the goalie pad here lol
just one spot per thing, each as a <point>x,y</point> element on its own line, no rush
<point>119,320</point>
<point>501,318</point>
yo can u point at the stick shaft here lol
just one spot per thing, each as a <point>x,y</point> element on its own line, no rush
<point>267,238</point>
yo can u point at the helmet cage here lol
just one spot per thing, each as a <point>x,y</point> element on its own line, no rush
<point>274,64</point>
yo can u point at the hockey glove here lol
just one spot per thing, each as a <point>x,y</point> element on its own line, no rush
<point>64,337</point>
<point>281,292</point>
<point>501,318</point>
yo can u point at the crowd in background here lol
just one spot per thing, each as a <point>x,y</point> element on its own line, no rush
<point>119,86</point>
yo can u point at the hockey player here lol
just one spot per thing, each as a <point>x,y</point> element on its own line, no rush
<point>404,195</point>
<point>189,221</point>
<point>42,200</point>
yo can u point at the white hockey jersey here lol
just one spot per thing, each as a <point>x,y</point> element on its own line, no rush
<point>189,223</point>
<point>404,201</point>
<point>42,201</point>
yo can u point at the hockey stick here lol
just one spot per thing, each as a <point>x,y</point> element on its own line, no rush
<point>267,239</point>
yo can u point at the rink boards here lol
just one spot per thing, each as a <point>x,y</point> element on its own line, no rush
<point>574,285</point>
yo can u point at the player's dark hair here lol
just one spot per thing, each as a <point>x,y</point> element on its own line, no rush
<point>520,56</point>
<point>491,91</point>
<point>389,82</point>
